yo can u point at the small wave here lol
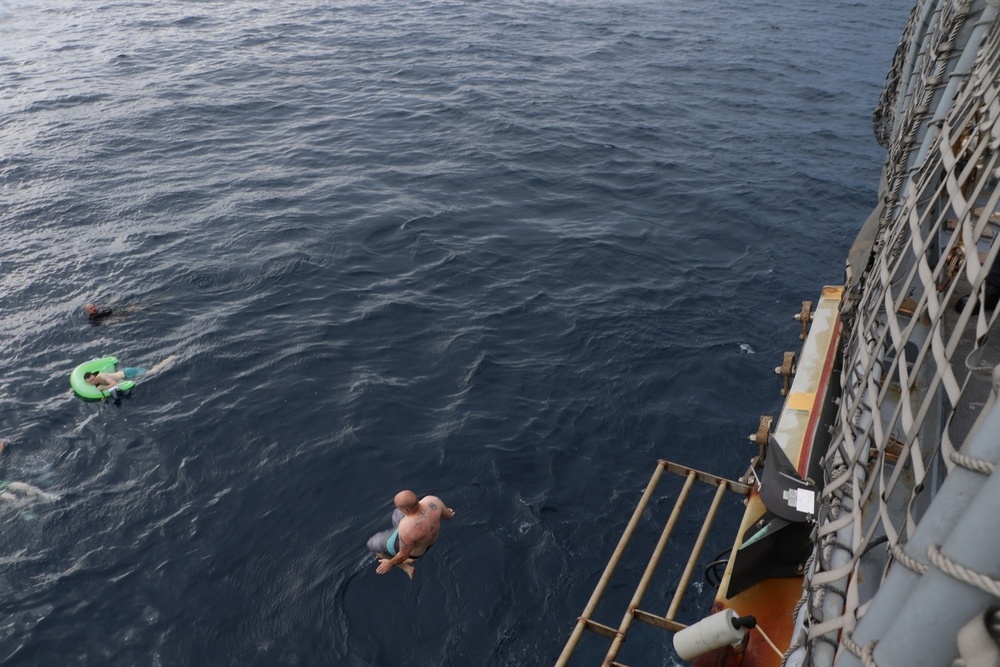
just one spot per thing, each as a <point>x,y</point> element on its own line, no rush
<point>66,102</point>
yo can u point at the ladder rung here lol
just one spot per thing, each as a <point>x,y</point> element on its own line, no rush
<point>658,621</point>
<point>665,622</point>
<point>599,628</point>
<point>707,478</point>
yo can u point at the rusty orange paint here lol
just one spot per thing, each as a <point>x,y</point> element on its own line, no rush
<point>770,601</point>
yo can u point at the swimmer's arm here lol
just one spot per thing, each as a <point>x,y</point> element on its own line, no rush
<point>447,514</point>
<point>388,563</point>
<point>103,384</point>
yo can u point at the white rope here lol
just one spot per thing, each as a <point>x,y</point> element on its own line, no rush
<point>864,652</point>
<point>962,573</point>
<point>868,655</point>
<point>907,561</point>
<point>848,641</point>
<point>768,640</point>
<point>976,465</point>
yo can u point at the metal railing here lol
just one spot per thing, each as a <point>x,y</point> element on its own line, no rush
<point>668,621</point>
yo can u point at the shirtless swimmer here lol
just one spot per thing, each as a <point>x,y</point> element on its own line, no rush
<point>108,380</point>
<point>417,526</point>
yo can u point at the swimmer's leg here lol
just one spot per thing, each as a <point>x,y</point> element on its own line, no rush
<point>376,543</point>
<point>397,516</point>
<point>131,372</point>
<point>163,365</point>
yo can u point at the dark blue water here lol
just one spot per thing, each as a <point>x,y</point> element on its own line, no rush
<point>509,253</point>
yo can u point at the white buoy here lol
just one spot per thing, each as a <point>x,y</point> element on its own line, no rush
<point>718,630</point>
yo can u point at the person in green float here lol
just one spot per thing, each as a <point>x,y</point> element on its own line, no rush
<point>110,379</point>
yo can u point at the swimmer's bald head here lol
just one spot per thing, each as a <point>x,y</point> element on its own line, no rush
<point>406,500</point>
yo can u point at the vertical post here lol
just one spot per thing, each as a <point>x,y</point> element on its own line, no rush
<point>610,569</point>
<point>654,560</point>
<point>720,491</point>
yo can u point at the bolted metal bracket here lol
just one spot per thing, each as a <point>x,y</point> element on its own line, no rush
<point>762,436</point>
<point>805,316</point>
<point>787,371</point>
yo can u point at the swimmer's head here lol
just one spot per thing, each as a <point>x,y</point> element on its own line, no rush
<point>90,378</point>
<point>406,500</point>
<point>90,308</point>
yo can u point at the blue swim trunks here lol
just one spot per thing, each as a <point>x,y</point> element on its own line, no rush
<point>131,372</point>
<point>392,544</point>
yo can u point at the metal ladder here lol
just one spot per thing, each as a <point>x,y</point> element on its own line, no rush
<point>586,623</point>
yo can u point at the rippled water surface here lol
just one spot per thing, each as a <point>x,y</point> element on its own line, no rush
<point>509,253</point>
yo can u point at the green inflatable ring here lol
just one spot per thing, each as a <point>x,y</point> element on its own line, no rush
<point>105,365</point>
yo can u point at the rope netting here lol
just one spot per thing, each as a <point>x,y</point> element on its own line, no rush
<point>911,359</point>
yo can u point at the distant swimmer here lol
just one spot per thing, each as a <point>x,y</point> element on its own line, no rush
<point>97,315</point>
<point>109,380</point>
<point>20,494</point>
<point>105,314</point>
<point>416,526</point>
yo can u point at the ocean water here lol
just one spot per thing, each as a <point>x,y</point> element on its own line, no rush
<point>508,253</point>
